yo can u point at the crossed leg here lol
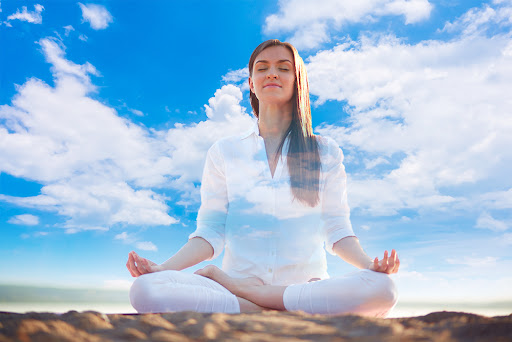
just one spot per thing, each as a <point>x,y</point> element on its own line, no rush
<point>362,292</point>
<point>251,289</point>
<point>170,291</point>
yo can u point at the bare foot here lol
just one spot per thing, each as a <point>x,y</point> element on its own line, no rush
<point>234,285</point>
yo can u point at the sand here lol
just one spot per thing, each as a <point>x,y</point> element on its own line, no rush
<point>266,326</point>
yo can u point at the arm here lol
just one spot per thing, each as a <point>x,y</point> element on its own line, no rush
<point>207,241</point>
<point>351,251</point>
<point>340,238</point>
<point>193,252</point>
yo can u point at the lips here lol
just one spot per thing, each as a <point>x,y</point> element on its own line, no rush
<point>272,85</point>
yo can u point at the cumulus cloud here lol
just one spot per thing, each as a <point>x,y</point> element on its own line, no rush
<point>33,17</point>
<point>238,77</point>
<point>187,144</point>
<point>96,168</point>
<point>124,236</point>
<point>310,22</point>
<point>24,219</point>
<point>96,15</point>
<point>131,239</point>
<point>439,109</point>
<point>146,246</point>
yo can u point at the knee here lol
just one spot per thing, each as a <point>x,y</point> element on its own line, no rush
<point>142,293</point>
<point>384,293</point>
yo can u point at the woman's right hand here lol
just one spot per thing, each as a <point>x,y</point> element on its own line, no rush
<point>139,266</point>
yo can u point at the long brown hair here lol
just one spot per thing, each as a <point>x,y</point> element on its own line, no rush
<point>303,156</point>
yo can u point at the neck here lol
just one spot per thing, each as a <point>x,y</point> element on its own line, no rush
<point>274,121</point>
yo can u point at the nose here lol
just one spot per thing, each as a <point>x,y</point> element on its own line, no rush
<point>272,75</point>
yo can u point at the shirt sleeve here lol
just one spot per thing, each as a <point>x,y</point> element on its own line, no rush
<point>211,218</point>
<point>335,209</point>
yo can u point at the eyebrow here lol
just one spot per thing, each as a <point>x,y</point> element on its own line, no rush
<point>279,61</point>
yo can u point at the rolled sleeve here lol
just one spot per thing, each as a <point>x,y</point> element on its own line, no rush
<point>211,217</point>
<point>335,209</point>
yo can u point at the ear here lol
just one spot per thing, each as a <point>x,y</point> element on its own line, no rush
<point>251,85</point>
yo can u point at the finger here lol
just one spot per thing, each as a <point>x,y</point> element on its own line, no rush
<point>392,261</point>
<point>139,266</point>
<point>376,265</point>
<point>129,270</point>
<point>132,267</point>
<point>147,265</point>
<point>397,264</point>
<point>384,262</point>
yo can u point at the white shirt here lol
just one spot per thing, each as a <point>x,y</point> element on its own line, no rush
<point>253,216</point>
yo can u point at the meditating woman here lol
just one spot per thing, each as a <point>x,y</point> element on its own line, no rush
<point>274,199</point>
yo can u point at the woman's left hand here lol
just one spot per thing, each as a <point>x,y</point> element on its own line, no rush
<point>387,265</point>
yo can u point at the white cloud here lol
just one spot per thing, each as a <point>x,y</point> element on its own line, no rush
<point>235,76</point>
<point>24,219</point>
<point>443,106</point>
<point>33,17</point>
<point>310,22</point>
<point>68,29</point>
<point>187,145</point>
<point>124,236</point>
<point>473,261</point>
<point>486,221</point>
<point>136,112</point>
<point>225,103</point>
<point>239,77</point>
<point>370,164</point>
<point>97,15</point>
<point>130,239</point>
<point>497,199</point>
<point>146,246</point>
<point>62,68</point>
<point>97,168</point>
<point>478,20</point>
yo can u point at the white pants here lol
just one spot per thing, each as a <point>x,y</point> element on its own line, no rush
<point>362,292</point>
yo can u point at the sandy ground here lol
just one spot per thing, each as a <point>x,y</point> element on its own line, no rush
<point>266,326</point>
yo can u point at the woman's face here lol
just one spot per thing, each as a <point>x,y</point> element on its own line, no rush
<point>273,76</point>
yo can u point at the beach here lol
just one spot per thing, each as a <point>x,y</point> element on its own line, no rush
<point>265,326</point>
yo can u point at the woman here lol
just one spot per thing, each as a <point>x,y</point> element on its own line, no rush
<point>271,197</point>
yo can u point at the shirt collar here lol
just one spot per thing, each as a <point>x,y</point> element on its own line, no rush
<point>253,130</point>
<point>256,131</point>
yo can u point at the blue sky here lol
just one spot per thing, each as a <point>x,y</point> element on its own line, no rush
<point>107,110</point>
